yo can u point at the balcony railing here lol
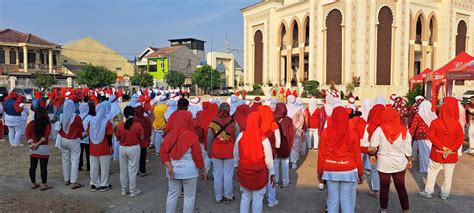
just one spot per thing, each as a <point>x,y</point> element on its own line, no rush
<point>11,68</point>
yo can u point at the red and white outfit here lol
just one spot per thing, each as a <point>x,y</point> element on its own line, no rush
<point>419,131</point>
<point>311,115</point>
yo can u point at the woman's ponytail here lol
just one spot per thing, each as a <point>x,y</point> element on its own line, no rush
<point>128,112</point>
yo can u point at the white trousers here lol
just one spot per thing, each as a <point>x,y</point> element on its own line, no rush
<point>205,156</point>
<point>256,197</point>
<point>14,134</point>
<point>174,190</point>
<point>294,154</point>
<point>70,153</point>
<point>157,139</point>
<point>424,154</point>
<point>116,153</point>
<point>129,156</point>
<point>271,192</point>
<point>285,173</point>
<point>471,137</point>
<point>223,178</point>
<point>312,141</point>
<point>100,170</point>
<point>433,171</point>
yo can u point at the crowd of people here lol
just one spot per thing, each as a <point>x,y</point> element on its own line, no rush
<point>256,141</point>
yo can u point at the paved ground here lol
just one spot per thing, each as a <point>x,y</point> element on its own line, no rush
<point>300,196</point>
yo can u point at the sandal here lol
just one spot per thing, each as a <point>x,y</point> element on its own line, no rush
<point>77,186</point>
<point>46,188</point>
<point>35,186</point>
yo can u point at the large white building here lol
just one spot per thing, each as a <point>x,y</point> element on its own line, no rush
<point>384,42</point>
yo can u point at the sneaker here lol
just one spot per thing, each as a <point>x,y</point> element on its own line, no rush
<point>321,186</point>
<point>124,192</point>
<point>104,188</point>
<point>443,197</point>
<point>469,151</point>
<point>228,200</point>
<point>425,194</point>
<point>220,201</point>
<point>294,166</point>
<point>271,205</point>
<point>134,194</point>
<point>315,149</point>
<point>20,145</point>
<point>93,188</point>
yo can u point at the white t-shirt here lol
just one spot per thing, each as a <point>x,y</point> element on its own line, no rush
<point>391,157</point>
<point>267,149</point>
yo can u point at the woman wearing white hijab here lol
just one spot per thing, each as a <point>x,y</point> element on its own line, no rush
<point>296,114</point>
<point>419,129</point>
<point>100,134</point>
<point>326,112</point>
<point>85,117</point>
<point>71,132</point>
<point>195,106</point>
<point>172,106</point>
<point>311,120</point>
<point>234,103</point>
<point>365,108</point>
<point>116,117</point>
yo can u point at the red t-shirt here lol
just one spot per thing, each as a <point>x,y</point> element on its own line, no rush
<point>75,130</point>
<point>31,134</point>
<point>129,137</point>
<point>312,120</point>
<point>103,148</point>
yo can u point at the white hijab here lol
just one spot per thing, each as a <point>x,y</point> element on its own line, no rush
<point>268,100</point>
<point>365,108</point>
<point>312,105</point>
<point>98,124</point>
<point>291,106</point>
<point>299,103</point>
<point>380,100</point>
<point>195,106</point>
<point>83,110</point>
<point>68,115</point>
<point>424,110</point>
<point>329,105</point>
<point>171,108</point>
<point>115,108</point>
<point>234,103</point>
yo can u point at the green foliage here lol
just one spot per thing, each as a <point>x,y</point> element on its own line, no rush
<point>142,79</point>
<point>311,88</point>
<point>206,77</point>
<point>96,76</point>
<point>256,87</point>
<point>349,88</point>
<point>174,78</point>
<point>416,91</point>
<point>42,79</point>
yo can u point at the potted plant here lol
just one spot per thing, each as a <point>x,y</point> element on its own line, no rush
<point>356,81</point>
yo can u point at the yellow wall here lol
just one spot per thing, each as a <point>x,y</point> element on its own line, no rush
<point>89,50</point>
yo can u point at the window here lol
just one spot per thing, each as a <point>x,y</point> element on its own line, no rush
<point>55,61</point>
<point>12,57</point>
<point>118,68</point>
<point>65,61</point>
<point>2,56</point>
<point>162,65</point>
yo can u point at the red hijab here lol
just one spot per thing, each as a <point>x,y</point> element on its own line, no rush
<point>375,118</point>
<point>182,134</point>
<point>448,117</point>
<point>286,124</point>
<point>208,113</point>
<point>391,126</point>
<point>223,118</point>
<point>145,122</point>
<point>250,146</point>
<point>338,132</point>
<point>240,116</point>
<point>453,103</point>
<point>268,125</point>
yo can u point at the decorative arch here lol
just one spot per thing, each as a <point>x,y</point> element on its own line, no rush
<point>282,39</point>
<point>419,26</point>
<point>432,23</point>
<point>461,36</point>
<point>306,30</point>
<point>333,21</point>
<point>295,22</point>
<point>258,57</point>
<point>384,46</point>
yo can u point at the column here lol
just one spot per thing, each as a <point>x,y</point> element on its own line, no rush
<point>411,59</point>
<point>434,49</point>
<point>424,50</point>
<point>58,59</point>
<point>289,71</point>
<point>7,55</point>
<point>17,56</point>
<point>25,59</point>
<point>301,63</point>
<point>50,61</point>
<point>278,64</point>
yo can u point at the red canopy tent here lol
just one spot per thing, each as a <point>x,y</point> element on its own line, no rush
<point>463,72</point>
<point>420,78</point>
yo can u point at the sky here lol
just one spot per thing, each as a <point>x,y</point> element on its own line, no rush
<point>129,26</point>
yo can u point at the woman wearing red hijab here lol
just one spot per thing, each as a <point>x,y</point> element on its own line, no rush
<point>181,154</point>
<point>270,130</point>
<point>447,136</point>
<point>254,163</point>
<point>392,143</point>
<point>339,162</point>
<point>13,113</point>
<point>287,131</point>
<point>203,119</point>
<point>240,117</point>
<point>221,137</point>
<point>145,143</point>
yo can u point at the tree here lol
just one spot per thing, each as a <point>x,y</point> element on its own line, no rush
<point>207,77</point>
<point>142,79</point>
<point>44,80</point>
<point>174,78</point>
<point>96,76</point>
<point>311,88</point>
<point>416,91</point>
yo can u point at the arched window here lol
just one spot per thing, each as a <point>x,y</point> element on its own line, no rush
<point>306,36</point>
<point>461,37</point>
<point>295,34</point>
<point>419,29</point>
<point>283,40</point>
<point>384,46</point>
<point>258,57</point>
<point>334,47</point>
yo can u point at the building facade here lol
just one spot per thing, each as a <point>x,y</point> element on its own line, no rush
<point>378,43</point>
<point>179,58</point>
<point>226,63</point>
<point>90,51</point>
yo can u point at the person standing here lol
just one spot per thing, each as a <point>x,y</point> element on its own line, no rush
<point>470,113</point>
<point>159,122</point>
<point>129,134</point>
<point>392,143</point>
<point>254,164</point>
<point>71,131</point>
<point>116,117</point>
<point>221,138</point>
<point>339,163</point>
<point>181,154</point>
<point>13,115</point>
<point>285,126</point>
<point>100,134</point>
<point>419,131</point>
<point>85,117</point>
<point>37,134</point>
<point>311,115</point>
<point>145,143</point>
<point>447,136</point>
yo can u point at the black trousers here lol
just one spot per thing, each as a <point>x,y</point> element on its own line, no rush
<point>143,160</point>
<point>43,167</point>
<point>85,147</point>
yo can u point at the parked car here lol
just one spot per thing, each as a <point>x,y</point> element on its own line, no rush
<point>27,92</point>
<point>3,93</point>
